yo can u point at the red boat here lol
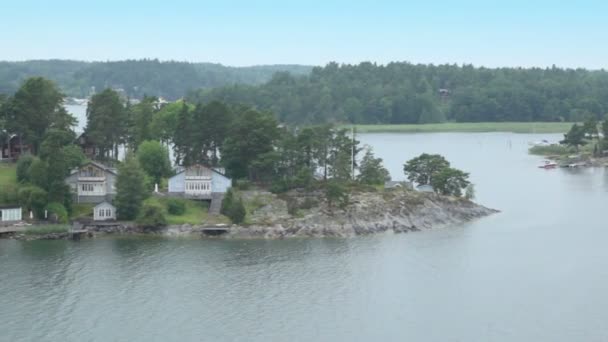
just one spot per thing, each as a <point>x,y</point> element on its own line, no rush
<point>548,165</point>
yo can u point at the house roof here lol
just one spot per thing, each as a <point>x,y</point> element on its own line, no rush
<point>98,165</point>
<point>105,203</point>
<point>207,167</point>
<point>10,207</point>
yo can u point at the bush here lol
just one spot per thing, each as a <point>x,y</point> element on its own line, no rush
<point>57,212</point>
<point>23,166</point>
<point>237,212</point>
<point>227,202</point>
<point>47,229</point>
<point>176,206</point>
<point>9,194</point>
<point>152,216</point>
<point>33,198</point>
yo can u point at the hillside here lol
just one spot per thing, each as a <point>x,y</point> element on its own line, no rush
<point>137,77</point>
<point>405,93</point>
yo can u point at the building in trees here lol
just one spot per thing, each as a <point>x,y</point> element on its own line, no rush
<point>14,147</point>
<point>199,182</point>
<point>89,148</point>
<point>93,183</point>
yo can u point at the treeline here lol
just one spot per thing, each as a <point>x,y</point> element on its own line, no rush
<point>136,78</point>
<point>399,93</point>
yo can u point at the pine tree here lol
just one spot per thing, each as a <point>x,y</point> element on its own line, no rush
<point>130,189</point>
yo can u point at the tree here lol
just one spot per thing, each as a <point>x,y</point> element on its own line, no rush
<point>154,159</point>
<point>106,122</point>
<point>142,114</point>
<point>33,198</point>
<point>336,193</point>
<point>470,192</point>
<point>23,166</point>
<point>237,212</point>
<point>252,136</point>
<point>575,137</point>
<point>227,202</point>
<point>183,136</point>
<point>36,107</point>
<point>423,168</point>
<point>372,171</point>
<point>38,173</point>
<point>450,181</point>
<point>130,189</point>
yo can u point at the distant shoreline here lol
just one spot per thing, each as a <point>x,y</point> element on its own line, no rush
<point>468,127</point>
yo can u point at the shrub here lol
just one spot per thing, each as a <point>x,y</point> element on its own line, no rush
<point>47,229</point>
<point>227,202</point>
<point>8,194</point>
<point>23,166</point>
<point>176,206</point>
<point>152,216</point>
<point>237,212</point>
<point>57,212</point>
<point>33,198</point>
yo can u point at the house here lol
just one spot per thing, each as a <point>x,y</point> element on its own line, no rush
<point>14,147</point>
<point>10,214</point>
<point>425,188</point>
<point>199,182</point>
<point>89,148</point>
<point>104,211</point>
<point>93,183</point>
<point>397,185</point>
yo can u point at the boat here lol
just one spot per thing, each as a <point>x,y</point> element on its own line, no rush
<point>548,165</point>
<point>543,142</point>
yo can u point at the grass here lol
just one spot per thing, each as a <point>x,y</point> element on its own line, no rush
<point>82,210</point>
<point>196,211</point>
<point>515,127</point>
<point>8,174</point>
<point>551,150</point>
<point>47,229</point>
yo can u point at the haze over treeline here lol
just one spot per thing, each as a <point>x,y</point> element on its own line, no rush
<point>398,92</point>
<point>152,77</point>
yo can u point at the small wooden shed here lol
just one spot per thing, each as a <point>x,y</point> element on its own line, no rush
<point>104,211</point>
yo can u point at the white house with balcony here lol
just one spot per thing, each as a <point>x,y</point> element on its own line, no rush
<point>199,182</point>
<point>93,183</point>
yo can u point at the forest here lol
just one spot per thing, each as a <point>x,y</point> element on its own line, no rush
<point>137,78</point>
<point>405,93</point>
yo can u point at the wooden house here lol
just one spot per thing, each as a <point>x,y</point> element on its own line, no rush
<point>93,183</point>
<point>104,211</point>
<point>199,182</point>
<point>13,147</point>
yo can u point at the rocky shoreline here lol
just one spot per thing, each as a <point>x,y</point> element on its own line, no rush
<point>368,213</point>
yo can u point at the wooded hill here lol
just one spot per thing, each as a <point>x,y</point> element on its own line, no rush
<point>137,78</point>
<point>398,93</point>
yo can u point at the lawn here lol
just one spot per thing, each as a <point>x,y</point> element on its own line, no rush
<point>8,174</point>
<point>196,211</point>
<point>515,127</point>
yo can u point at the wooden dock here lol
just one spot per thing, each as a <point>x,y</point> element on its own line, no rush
<point>11,229</point>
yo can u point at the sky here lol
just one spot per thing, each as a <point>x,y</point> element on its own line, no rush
<point>313,32</point>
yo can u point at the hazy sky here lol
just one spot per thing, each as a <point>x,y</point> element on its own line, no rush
<point>489,33</point>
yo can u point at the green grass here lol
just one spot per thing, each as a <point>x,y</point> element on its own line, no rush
<point>551,150</point>
<point>196,211</point>
<point>515,127</point>
<point>82,210</point>
<point>46,229</point>
<point>8,174</point>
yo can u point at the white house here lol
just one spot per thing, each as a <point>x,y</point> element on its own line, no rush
<point>199,182</point>
<point>104,211</point>
<point>425,188</point>
<point>9,214</point>
<point>92,183</point>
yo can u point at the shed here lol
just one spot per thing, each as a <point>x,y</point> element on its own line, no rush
<point>104,211</point>
<point>10,214</point>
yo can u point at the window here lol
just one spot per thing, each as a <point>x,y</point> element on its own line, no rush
<point>108,212</point>
<point>101,212</point>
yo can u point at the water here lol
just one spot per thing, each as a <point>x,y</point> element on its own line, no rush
<point>535,272</point>
<point>80,113</point>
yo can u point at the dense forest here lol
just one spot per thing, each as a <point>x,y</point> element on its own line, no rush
<point>397,93</point>
<point>137,78</point>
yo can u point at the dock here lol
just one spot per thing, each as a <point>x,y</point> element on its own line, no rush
<point>11,229</point>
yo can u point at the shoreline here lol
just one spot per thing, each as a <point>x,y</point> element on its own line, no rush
<point>368,214</point>
<point>466,127</point>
